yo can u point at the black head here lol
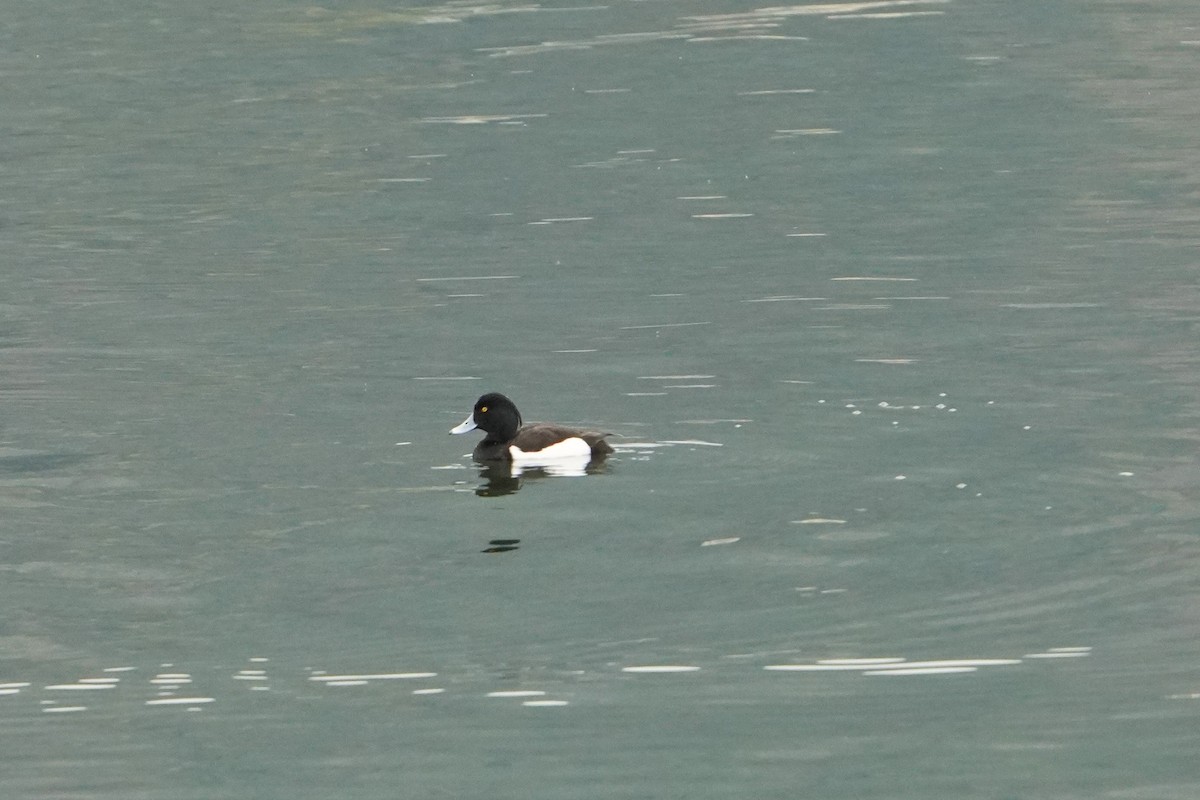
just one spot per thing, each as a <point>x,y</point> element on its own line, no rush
<point>494,414</point>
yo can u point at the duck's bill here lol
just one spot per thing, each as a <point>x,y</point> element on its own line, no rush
<point>467,425</point>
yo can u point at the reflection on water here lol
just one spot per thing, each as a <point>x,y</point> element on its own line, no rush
<point>500,478</point>
<point>505,478</point>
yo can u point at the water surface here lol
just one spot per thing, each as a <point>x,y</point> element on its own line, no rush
<point>892,307</point>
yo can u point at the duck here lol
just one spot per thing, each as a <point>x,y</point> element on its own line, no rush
<point>508,439</point>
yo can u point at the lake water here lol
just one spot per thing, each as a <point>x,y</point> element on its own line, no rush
<point>893,307</point>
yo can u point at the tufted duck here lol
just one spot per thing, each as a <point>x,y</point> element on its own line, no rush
<point>509,440</point>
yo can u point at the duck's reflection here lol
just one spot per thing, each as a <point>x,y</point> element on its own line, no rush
<point>500,478</point>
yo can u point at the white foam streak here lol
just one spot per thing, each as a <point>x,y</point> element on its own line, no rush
<point>378,676</point>
<point>921,671</point>
<point>673,377</point>
<point>898,665</point>
<point>181,701</point>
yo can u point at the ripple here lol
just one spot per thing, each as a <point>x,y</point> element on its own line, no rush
<point>374,676</point>
<point>895,666</point>
<point>724,670</point>
<point>181,701</point>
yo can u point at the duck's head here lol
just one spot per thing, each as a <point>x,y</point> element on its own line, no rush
<point>494,414</point>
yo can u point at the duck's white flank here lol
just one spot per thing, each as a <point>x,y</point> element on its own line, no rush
<point>567,448</point>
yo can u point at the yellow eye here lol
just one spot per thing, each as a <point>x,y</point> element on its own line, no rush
<point>483,410</point>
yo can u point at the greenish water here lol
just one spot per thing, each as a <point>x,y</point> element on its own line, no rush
<point>892,306</point>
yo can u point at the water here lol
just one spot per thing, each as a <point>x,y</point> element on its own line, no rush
<point>892,306</point>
